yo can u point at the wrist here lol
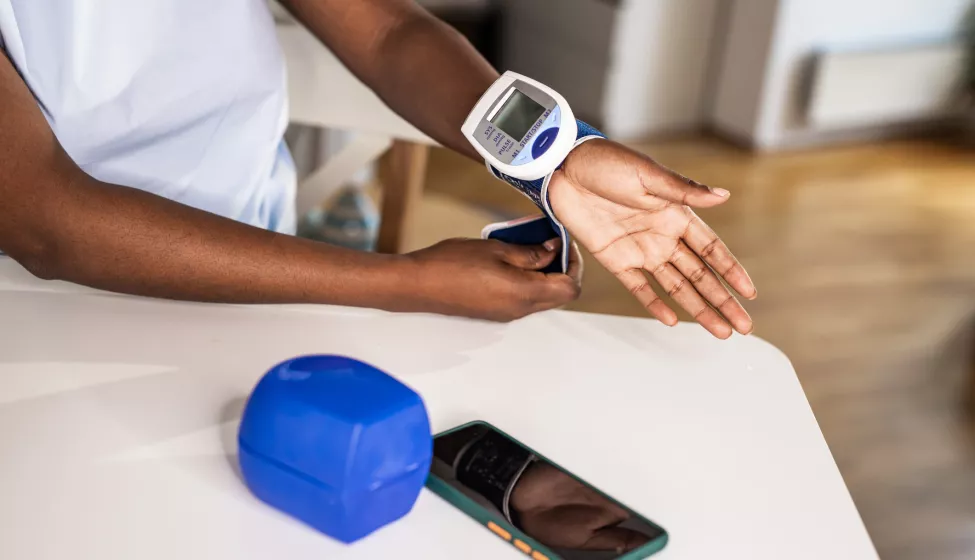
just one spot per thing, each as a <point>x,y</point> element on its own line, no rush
<point>580,158</point>
<point>397,282</point>
<point>354,278</point>
<point>407,284</point>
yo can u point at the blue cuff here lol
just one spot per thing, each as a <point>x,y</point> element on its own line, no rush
<point>533,189</point>
<point>585,129</point>
<point>537,191</point>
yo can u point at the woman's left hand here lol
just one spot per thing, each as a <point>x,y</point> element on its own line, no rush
<point>635,217</point>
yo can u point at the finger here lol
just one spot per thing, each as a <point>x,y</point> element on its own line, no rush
<point>551,291</point>
<point>636,282</point>
<point>703,241</point>
<point>575,269</point>
<point>616,539</point>
<point>528,257</point>
<point>708,285</point>
<point>670,185</point>
<point>602,161</point>
<point>683,292</point>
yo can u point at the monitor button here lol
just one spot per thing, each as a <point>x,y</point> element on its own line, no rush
<point>544,141</point>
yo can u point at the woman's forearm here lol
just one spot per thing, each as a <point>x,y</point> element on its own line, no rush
<point>61,223</point>
<point>124,240</point>
<point>433,78</point>
<point>422,68</point>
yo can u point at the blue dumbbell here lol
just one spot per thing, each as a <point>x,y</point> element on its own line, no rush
<point>335,443</point>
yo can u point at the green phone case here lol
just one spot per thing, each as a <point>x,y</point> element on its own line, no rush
<point>482,516</point>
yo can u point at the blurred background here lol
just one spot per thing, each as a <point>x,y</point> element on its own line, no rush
<point>845,130</point>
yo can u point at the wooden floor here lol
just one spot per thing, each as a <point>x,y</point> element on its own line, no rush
<point>864,259</point>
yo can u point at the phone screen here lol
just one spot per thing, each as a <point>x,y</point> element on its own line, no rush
<point>545,502</point>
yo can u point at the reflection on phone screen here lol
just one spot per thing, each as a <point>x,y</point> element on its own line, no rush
<point>540,499</point>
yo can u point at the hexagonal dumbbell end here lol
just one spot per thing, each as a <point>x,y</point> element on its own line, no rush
<point>335,443</point>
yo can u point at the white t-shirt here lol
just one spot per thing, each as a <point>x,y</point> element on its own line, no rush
<point>186,99</point>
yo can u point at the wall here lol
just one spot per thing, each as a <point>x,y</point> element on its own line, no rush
<point>805,26</point>
<point>564,44</point>
<point>745,47</point>
<point>765,67</point>
<point>661,56</point>
<point>635,67</point>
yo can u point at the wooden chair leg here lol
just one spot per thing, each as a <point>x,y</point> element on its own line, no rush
<point>402,173</point>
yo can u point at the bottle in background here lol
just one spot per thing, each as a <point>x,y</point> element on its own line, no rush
<point>350,219</point>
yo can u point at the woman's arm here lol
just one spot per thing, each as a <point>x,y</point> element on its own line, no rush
<point>421,67</point>
<point>61,223</point>
<point>631,213</point>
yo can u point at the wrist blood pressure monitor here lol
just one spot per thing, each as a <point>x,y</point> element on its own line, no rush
<point>521,127</point>
<point>524,130</point>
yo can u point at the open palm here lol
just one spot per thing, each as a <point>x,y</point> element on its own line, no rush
<point>635,217</point>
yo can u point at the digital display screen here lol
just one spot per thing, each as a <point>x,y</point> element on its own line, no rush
<point>518,115</point>
<point>543,501</point>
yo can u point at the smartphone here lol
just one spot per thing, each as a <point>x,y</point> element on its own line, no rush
<point>533,230</point>
<point>541,509</point>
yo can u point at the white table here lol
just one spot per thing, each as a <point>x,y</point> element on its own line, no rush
<point>118,416</point>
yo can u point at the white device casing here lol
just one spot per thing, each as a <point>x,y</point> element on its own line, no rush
<point>547,162</point>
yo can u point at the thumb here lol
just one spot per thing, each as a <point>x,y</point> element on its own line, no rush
<point>632,179</point>
<point>616,539</point>
<point>528,257</point>
<point>674,187</point>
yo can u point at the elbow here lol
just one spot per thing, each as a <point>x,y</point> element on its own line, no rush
<point>42,266</point>
<point>39,256</point>
<point>33,233</point>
